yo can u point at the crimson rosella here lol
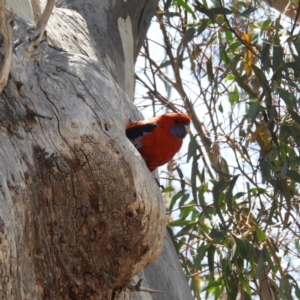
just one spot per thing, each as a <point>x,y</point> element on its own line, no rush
<point>159,138</point>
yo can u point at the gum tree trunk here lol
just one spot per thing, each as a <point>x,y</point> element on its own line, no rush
<point>80,214</point>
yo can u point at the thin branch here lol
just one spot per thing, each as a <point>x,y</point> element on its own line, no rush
<point>36,9</point>
<point>158,69</point>
<point>275,257</point>
<point>246,44</point>
<point>6,25</point>
<point>155,93</point>
<point>177,84</point>
<point>42,23</point>
<point>296,18</point>
<point>166,39</point>
<point>152,71</point>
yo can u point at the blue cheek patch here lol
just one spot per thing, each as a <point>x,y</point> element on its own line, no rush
<point>178,131</point>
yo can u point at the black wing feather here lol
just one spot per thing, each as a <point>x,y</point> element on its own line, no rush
<point>139,130</point>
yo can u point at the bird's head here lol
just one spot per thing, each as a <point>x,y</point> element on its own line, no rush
<point>179,124</point>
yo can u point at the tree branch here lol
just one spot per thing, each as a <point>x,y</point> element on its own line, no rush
<point>36,10</point>
<point>177,84</point>
<point>156,94</point>
<point>6,25</point>
<point>160,71</point>
<point>42,23</point>
<point>285,7</point>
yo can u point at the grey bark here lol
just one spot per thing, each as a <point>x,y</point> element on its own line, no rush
<point>79,205</point>
<point>80,214</point>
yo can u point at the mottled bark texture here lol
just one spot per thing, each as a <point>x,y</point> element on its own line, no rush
<point>80,214</point>
<point>116,35</point>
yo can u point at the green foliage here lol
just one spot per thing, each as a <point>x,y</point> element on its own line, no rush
<point>234,213</point>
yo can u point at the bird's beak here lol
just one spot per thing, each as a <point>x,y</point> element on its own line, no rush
<point>187,128</point>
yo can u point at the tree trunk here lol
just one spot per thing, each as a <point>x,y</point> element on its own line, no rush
<point>165,275</point>
<point>80,213</point>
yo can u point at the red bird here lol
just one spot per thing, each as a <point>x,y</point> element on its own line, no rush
<point>159,138</point>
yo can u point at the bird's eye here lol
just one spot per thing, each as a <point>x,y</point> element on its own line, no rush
<point>176,121</point>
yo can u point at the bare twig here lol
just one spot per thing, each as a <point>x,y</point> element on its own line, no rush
<point>42,23</point>
<point>275,257</point>
<point>6,22</point>
<point>267,286</point>
<point>177,84</point>
<point>158,69</point>
<point>296,19</point>
<point>36,9</point>
<point>166,39</point>
<point>234,31</point>
<point>163,100</point>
